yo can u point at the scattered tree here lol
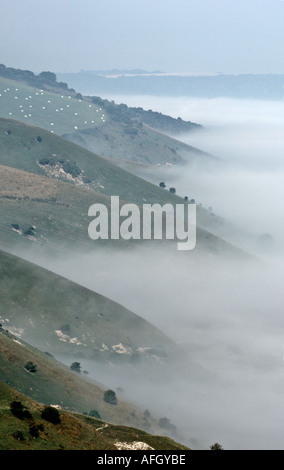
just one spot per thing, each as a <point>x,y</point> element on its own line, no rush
<point>18,435</point>
<point>31,367</point>
<point>186,198</point>
<point>19,410</point>
<point>110,397</point>
<point>51,415</point>
<point>216,446</point>
<point>172,190</point>
<point>76,367</point>
<point>162,185</point>
<point>95,414</point>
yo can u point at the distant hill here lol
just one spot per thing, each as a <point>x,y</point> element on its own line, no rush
<point>245,86</point>
<point>99,125</point>
<point>74,431</point>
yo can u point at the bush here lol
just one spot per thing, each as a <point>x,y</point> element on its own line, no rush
<point>216,446</point>
<point>95,414</point>
<point>31,367</point>
<point>110,397</point>
<point>18,435</point>
<point>76,367</point>
<point>19,410</point>
<point>51,415</point>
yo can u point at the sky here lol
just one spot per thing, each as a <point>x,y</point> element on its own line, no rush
<point>229,36</point>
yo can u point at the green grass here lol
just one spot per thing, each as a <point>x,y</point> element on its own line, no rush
<point>74,432</point>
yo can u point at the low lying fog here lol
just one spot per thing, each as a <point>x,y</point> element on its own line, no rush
<point>228,317</point>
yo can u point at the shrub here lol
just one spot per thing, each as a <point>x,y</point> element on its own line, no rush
<point>76,367</point>
<point>95,414</point>
<point>18,435</point>
<point>110,397</point>
<point>216,446</point>
<point>31,367</point>
<point>51,414</point>
<point>19,410</point>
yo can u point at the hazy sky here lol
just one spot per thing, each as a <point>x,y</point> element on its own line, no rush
<point>230,36</point>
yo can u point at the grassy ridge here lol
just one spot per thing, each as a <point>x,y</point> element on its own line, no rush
<point>74,432</point>
<point>74,320</point>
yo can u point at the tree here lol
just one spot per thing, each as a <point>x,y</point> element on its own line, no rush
<point>186,198</point>
<point>31,367</point>
<point>110,397</point>
<point>95,414</point>
<point>19,410</point>
<point>76,367</point>
<point>162,185</point>
<point>51,414</point>
<point>172,190</point>
<point>216,446</point>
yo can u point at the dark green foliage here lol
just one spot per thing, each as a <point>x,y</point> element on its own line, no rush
<point>110,397</point>
<point>47,161</point>
<point>71,168</point>
<point>186,198</point>
<point>18,435</point>
<point>19,410</point>
<point>15,226</point>
<point>162,185</point>
<point>39,139</point>
<point>216,446</point>
<point>172,190</point>
<point>51,415</point>
<point>95,414</point>
<point>31,367</point>
<point>30,231</point>
<point>76,367</point>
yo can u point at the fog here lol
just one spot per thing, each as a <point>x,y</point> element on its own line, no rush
<point>226,315</point>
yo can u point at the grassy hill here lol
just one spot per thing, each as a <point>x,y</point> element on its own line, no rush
<point>75,178</point>
<point>73,432</point>
<point>74,321</point>
<point>92,123</point>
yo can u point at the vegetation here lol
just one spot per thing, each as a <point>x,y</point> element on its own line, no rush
<point>51,414</point>
<point>110,397</point>
<point>216,446</point>
<point>31,367</point>
<point>76,367</point>
<point>74,431</point>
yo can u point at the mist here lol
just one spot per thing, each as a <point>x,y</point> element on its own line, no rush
<point>226,315</point>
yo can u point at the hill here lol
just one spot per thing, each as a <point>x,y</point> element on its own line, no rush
<point>97,124</point>
<point>74,321</point>
<point>244,86</point>
<point>73,431</point>
<point>74,179</point>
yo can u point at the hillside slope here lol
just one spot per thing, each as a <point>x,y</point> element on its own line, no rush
<point>73,432</point>
<point>74,321</point>
<point>96,124</point>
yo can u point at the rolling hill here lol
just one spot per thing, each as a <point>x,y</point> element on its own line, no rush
<point>61,181</point>
<point>98,125</point>
<point>32,430</point>
<point>74,321</point>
